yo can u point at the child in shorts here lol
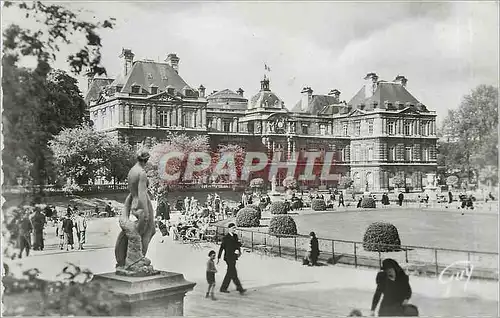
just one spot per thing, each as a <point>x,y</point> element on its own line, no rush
<point>211,270</point>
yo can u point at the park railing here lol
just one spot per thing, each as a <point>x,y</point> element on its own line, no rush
<point>417,260</point>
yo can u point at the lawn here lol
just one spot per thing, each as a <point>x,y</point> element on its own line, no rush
<point>416,227</point>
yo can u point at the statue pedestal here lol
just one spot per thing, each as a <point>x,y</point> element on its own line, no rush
<point>158,295</point>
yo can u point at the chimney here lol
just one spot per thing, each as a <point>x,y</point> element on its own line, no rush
<point>240,92</point>
<point>128,59</point>
<point>173,61</point>
<point>335,93</point>
<point>401,80</point>
<point>306,96</point>
<point>201,89</point>
<point>90,77</point>
<point>370,84</point>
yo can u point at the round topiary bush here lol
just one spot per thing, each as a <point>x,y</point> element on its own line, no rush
<point>255,207</point>
<point>248,217</point>
<point>368,203</point>
<point>278,207</point>
<point>381,233</point>
<point>282,225</point>
<point>318,205</point>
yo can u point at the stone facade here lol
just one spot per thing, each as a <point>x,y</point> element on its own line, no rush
<point>383,131</point>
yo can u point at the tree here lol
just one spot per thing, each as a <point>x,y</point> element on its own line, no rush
<point>290,182</point>
<point>82,155</point>
<point>233,151</point>
<point>39,103</point>
<point>470,136</point>
<point>346,182</point>
<point>399,181</point>
<point>181,143</point>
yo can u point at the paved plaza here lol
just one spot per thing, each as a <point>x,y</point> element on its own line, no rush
<point>275,286</point>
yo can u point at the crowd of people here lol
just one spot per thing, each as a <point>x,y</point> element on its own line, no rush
<point>66,226</point>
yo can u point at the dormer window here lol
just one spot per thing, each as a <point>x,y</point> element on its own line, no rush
<point>153,89</point>
<point>119,88</point>
<point>150,76</point>
<point>136,89</point>
<point>171,91</point>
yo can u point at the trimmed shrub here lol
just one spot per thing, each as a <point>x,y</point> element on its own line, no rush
<point>381,233</point>
<point>368,203</point>
<point>282,225</point>
<point>278,207</point>
<point>256,208</point>
<point>248,217</point>
<point>318,205</point>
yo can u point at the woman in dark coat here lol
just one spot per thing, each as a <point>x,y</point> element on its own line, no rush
<point>313,252</point>
<point>394,284</point>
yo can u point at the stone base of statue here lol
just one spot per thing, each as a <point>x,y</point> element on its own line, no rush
<point>158,295</point>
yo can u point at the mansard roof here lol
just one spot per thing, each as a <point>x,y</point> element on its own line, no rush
<point>317,103</point>
<point>148,73</point>
<point>95,89</point>
<point>386,92</point>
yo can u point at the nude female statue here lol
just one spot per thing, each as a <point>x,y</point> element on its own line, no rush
<point>133,241</point>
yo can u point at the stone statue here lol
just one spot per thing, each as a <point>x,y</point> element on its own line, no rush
<point>273,184</point>
<point>133,241</point>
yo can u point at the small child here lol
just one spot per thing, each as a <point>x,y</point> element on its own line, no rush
<point>211,270</point>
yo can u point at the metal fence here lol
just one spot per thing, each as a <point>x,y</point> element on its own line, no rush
<point>417,260</point>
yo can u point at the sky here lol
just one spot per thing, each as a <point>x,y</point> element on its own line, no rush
<point>444,49</point>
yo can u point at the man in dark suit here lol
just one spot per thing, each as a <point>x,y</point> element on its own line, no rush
<point>232,250</point>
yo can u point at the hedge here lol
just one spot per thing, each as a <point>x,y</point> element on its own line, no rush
<point>318,205</point>
<point>282,225</point>
<point>257,208</point>
<point>381,233</point>
<point>278,207</point>
<point>248,217</point>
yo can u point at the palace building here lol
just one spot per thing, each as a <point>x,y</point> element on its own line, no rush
<point>382,132</point>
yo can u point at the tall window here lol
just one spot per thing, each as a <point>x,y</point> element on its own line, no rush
<point>424,128</point>
<point>226,126</point>
<point>343,154</point>
<point>305,130</point>
<point>322,129</point>
<point>370,153</point>
<point>392,153</point>
<point>357,155</point>
<point>111,116</point>
<point>163,118</point>
<point>391,127</point>
<point>408,154</point>
<point>408,129</point>
<point>370,126</point>
<point>425,154</point>
<point>345,131</point>
<point>251,127</point>
<point>138,116</point>
<point>186,119</point>
<point>357,128</point>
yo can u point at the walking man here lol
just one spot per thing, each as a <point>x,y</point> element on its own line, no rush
<point>81,228</point>
<point>24,235</point>
<point>341,199</point>
<point>38,221</point>
<point>232,251</point>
